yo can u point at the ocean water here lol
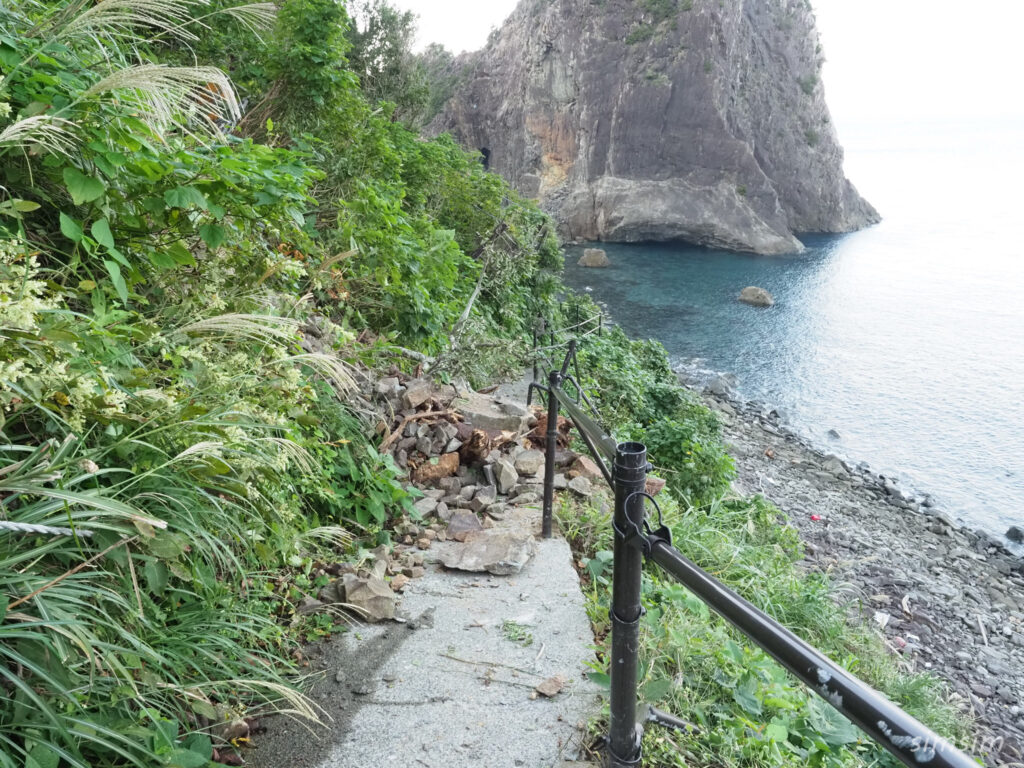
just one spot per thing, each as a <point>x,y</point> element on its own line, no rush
<point>906,338</point>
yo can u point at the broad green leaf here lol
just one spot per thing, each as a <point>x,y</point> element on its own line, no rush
<point>161,259</point>
<point>83,189</point>
<point>213,235</point>
<point>115,277</point>
<point>100,230</point>
<point>24,206</point>
<point>203,708</point>
<point>70,228</point>
<point>745,694</point>
<point>181,254</point>
<point>167,546</point>
<point>156,576</point>
<point>183,197</point>
<point>86,285</point>
<point>600,678</point>
<point>656,690</point>
<point>41,756</point>
<point>200,743</point>
<point>186,758</point>
<point>776,732</point>
<point>833,727</point>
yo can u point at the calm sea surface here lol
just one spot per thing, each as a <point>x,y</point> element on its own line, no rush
<point>907,338</point>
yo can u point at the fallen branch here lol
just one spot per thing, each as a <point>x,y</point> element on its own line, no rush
<point>408,420</point>
<point>489,664</point>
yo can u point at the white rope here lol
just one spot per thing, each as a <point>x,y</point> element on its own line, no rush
<point>46,530</point>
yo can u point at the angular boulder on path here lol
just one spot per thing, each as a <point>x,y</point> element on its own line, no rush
<point>584,466</point>
<point>581,486</point>
<point>463,525</point>
<point>489,412</point>
<point>502,553</point>
<point>373,598</point>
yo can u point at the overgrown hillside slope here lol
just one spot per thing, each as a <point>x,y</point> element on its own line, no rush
<point>186,298</point>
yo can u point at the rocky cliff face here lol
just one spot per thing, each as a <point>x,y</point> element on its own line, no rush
<point>634,120</point>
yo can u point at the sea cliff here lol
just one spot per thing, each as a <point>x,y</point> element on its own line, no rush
<point>661,120</point>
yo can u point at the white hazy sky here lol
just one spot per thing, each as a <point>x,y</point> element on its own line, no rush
<point>888,60</point>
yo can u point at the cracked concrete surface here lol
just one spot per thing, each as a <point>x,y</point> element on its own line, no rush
<point>454,685</point>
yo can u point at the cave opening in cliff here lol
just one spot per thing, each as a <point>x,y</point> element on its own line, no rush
<point>485,158</point>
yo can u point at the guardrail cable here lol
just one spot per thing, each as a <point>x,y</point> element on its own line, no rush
<point>45,530</point>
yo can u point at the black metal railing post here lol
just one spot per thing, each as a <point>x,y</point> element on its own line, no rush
<point>551,446</point>
<point>537,328</point>
<point>629,476</point>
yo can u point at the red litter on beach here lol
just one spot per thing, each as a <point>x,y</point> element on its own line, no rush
<point>816,518</point>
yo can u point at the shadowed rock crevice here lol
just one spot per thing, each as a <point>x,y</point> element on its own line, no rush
<point>705,123</point>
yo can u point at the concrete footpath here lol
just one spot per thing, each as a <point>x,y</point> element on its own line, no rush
<point>481,672</point>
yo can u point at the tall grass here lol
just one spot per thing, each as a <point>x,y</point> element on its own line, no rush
<point>746,708</point>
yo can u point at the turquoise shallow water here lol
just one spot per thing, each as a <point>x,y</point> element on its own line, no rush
<point>907,338</point>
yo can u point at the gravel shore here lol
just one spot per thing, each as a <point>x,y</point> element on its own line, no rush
<point>951,600</point>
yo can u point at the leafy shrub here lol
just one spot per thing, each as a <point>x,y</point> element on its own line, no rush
<point>691,455</point>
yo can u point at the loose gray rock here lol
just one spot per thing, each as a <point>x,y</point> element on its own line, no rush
<point>425,506</point>
<point>594,257</point>
<point>1015,533</point>
<point>416,393</point>
<point>488,412</point>
<point>721,386</point>
<point>485,496</point>
<point>388,387</point>
<point>501,553</point>
<point>463,525</point>
<point>372,597</point>
<point>581,485</point>
<point>505,476</point>
<point>529,463</point>
<point>309,605</point>
<point>757,297</point>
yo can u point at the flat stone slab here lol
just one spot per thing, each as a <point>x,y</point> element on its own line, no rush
<point>490,412</point>
<point>502,553</point>
<point>453,687</point>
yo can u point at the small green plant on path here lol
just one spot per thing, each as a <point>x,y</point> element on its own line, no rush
<point>517,633</point>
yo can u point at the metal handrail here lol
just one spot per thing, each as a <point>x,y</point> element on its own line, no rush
<point>910,741</point>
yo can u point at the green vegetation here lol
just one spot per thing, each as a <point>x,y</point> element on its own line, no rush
<point>808,84</point>
<point>657,16</point>
<point>517,633</point>
<point>186,296</point>
<point>189,295</point>
<point>746,708</point>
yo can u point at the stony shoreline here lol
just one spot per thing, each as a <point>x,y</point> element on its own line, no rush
<point>951,600</point>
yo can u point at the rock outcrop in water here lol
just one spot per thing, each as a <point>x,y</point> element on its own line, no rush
<point>660,120</point>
